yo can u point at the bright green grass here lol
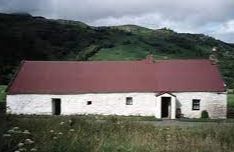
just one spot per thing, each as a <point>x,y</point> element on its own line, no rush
<point>129,52</point>
<point>2,92</point>
<point>111,135</point>
<point>123,52</point>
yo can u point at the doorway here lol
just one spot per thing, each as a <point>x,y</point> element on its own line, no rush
<point>166,107</point>
<point>56,106</point>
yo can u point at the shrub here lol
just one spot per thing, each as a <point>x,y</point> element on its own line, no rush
<point>178,113</point>
<point>204,114</point>
<point>107,44</point>
<point>126,42</point>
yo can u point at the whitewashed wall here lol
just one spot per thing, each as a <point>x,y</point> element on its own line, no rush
<point>214,103</point>
<point>106,104</point>
<point>144,104</point>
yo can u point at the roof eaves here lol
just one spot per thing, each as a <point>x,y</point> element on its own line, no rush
<point>165,92</point>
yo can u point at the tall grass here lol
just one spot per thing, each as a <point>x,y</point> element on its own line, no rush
<point>231,100</point>
<point>2,92</point>
<point>72,134</point>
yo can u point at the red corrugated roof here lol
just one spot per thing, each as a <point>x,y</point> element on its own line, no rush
<point>71,77</point>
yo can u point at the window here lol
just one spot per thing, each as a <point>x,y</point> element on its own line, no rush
<point>129,101</point>
<point>196,104</point>
<point>89,102</point>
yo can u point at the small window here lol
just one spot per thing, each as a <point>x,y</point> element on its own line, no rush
<point>196,104</point>
<point>89,102</point>
<point>129,101</point>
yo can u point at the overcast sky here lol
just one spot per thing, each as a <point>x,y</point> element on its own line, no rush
<point>211,17</point>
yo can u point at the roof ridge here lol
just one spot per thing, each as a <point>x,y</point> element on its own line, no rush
<point>79,61</point>
<point>143,60</point>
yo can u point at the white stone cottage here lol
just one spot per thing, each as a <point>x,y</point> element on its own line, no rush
<point>140,88</point>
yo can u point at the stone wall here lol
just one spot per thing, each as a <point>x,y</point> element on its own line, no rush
<point>106,104</point>
<point>144,104</point>
<point>214,103</point>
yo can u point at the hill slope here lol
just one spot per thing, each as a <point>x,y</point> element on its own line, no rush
<point>24,37</point>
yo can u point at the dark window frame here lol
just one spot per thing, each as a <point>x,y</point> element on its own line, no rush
<point>129,101</point>
<point>89,103</point>
<point>196,103</point>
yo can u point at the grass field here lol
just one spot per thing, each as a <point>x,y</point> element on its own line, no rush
<point>72,134</point>
<point>2,93</point>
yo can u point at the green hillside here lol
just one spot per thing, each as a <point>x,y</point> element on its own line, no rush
<point>24,37</point>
